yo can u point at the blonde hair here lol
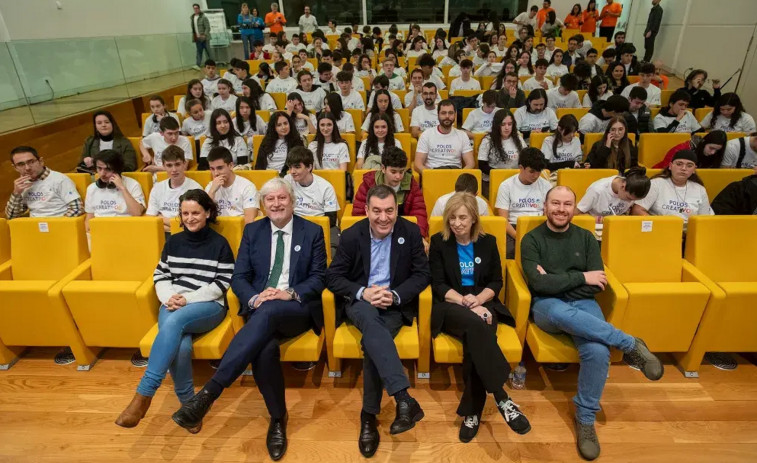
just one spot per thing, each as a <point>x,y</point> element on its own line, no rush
<point>469,201</point>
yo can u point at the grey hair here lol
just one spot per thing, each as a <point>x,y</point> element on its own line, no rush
<point>275,184</point>
<point>274,3</point>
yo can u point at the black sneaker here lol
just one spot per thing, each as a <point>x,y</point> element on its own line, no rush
<point>304,366</point>
<point>214,364</point>
<point>721,360</point>
<point>631,362</point>
<point>190,414</point>
<point>469,428</point>
<point>64,357</point>
<point>649,364</point>
<point>587,441</point>
<point>138,361</point>
<point>513,416</point>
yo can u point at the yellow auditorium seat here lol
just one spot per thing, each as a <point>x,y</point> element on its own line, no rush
<point>447,349</point>
<point>405,140</point>
<point>654,146</point>
<point>255,64</point>
<point>444,94</point>
<point>581,95</point>
<point>337,179</point>
<point>258,177</point>
<point>176,101</point>
<point>486,82</point>
<point>666,296</point>
<point>401,95</point>
<point>5,241</point>
<point>438,182</point>
<point>405,116</point>
<point>256,140</point>
<point>112,297</point>
<point>465,93</point>
<point>578,112</point>
<point>349,138</point>
<point>729,323</point>
<point>633,79</point>
<point>580,179</point>
<point>280,99</point>
<point>496,177</point>
<point>264,114</point>
<point>700,113</point>
<point>559,348</point>
<point>364,95</point>
<point>357,119</point>
<point>591,138</point>
<point>715,180</point>
<point>33,310</point>
<point>537,139</point>
<point>135,145</point>
<point>230,228</point>
<point>81,181</point>
<point>665,97</point>
<point>145,181</point>
<point>477,137</point>
<point>412,342</point>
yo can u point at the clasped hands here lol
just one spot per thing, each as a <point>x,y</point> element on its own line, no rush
<point>176,302</point>
<point>475,304</point>
<point>378,296</point>
<point>271,294</point>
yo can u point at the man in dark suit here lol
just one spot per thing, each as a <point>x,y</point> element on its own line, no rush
<point>278,278</point>
<point>379,270</point>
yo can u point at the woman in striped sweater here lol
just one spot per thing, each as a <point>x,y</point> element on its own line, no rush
<point>191,280</point>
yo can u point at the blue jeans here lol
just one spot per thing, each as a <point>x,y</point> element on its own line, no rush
<point>584,321</point>
<point>172,349</point>
<point>247,41</point>
<point>202,45</point>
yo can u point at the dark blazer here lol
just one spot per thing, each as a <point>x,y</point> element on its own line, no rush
<point>408,267</point>
<point>487,273</point>
<point>307,264</point>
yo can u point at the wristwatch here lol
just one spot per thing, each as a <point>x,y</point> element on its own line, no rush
<point>293,294</point>
<point>395,298</point>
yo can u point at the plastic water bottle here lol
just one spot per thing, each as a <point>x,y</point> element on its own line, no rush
<point>518,379</point>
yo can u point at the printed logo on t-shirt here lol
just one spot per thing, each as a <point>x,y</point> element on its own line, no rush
<point>225,204</point>
<point>680,207</point>
<point>109,205</point>
<point>466,268</point>
<point>34,196</point>
<point>616,209</point>
<point>429,124</point>
<point>169,208</point>
<point>527,203</point>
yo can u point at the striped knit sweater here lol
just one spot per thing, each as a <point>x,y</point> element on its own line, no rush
<point>197,265</point>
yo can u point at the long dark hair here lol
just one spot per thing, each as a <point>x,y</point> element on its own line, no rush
<point>623,80</point>
<point>240,120</point>
<point>496,152</point>
<point>203,98</point>
<point>321,140</point>
<point>116,130</point>
<point>256,91</point>
<point>335,105</point>
<point>552,58</point>
<point>713,161</point>
<point>294,96</point>
<point>596,81</point>
<point>499,81</point>
<point>589,7</point>
<point>574,7</point>
<point>529,66</point>
<point>268,144</point>
<point>568,123</point>
<point>215,135</point>
<point>536,95</point>
<point>372,141</point>
<point>375,109</point>
<point>728,99</point>
<point>205,202</point>
<point>621,158</point>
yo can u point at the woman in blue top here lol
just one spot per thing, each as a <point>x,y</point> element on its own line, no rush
<point>251,27</point>
<point>466,279</point>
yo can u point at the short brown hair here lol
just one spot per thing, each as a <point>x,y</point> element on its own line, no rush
<point>173,153</point>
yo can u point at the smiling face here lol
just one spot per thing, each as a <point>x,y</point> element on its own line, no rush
<point>300,172</point>
<point>460,222</point>
<point>382,215</point>
<point>279,206</point>
<point>559,208</point>
<point>429,96</point>
<point>282,127</point>
<point>380,129</point>
<point>326,128</point>
<point>103,125</point>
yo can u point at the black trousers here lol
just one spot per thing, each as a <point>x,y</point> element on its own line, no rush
<point>649,47</point>
<point>606,32</point>
<point>485,368</point>
<point>382,367</point>
<point>258,343</point>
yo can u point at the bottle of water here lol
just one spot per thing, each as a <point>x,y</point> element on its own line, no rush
<point>518,379</point>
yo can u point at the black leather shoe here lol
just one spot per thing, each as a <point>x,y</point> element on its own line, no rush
<point>408,413</point>
<point>368,441</point>
<point>276,440</point>
<point>190,414</point>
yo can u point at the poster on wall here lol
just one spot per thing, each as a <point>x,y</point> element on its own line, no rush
<point>219,34</point>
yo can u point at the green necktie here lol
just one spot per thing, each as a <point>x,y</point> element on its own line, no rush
<point>278,261</point>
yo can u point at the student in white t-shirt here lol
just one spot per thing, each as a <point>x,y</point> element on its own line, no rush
<point>333,104</point>
<point>311,95</point>
<point>540,79</point>
<point>330,151</point>
<point>465,81</point>
<point>536,115</point>
<point>563,148</point>
<point>197,122</point>
<point>164,196</point>
<point>490,68</point>
<point>676,191</point>
<point>252,89</point>
<point>350,98</point>
<point>158,142</point>
<point>280,137</point>
<point>222,133</point>
<point>195,91</point>
<point>283,82</point>
<point>730,116</point>
<point>564,96</point>
<point>500,148</point>
<point>556,67</point>
<point>599,89</point>
<point>528,18</point>
<point>654,94</point>
<point>480,119</point>
<point>380,135</point>
<point>225,99</point>
<point>614,195</point>
<point>40,191</point>
<point>465,183</point>
<point>112,195</point>
<point>396,81</point>
<point>676,118</point>
<point>444,145</point>
<point>246,122</point>
<point>414,96</point>
<point>382,104</point>
<point>302,118</point>
<point>382,83</point>
<point>732,157</point>
<point>210,82</point>
<point>236,196</point>
<point>426,116</point>
<point>431,73</point>
<point>158,110</point>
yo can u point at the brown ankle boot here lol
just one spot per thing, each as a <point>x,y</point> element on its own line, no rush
<point>134,412</point>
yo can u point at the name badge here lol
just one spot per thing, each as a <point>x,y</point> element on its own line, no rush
<point>401,240</point>
<point>297,248</point>
<point>477,260</point>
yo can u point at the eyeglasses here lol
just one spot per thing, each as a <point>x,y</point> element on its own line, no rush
<point>21,165</point>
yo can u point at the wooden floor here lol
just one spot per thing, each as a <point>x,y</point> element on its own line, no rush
<point>50,413</point>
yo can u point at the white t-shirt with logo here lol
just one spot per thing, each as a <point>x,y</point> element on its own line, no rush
<point>195,128</point>
<point>665,198</point>
<point>279,85</point>
<point>278,157</point>
<point>528,122</point>
<point>164,200</point>
<point>238,149</point>
<point>233,200</point>
<point>556,100</point>
<point>361,152</point>
<point>510,149</point>
<point>441,203</point>
<point>109,202</point>
<point>600,201</point>
<point>247,131</point>
<point>316,199</point>
<point>229,104</point>
<point>570,152</point>
<point>443,149</point>
<point>744,124</point>
<point>313,100</point>
<point>424,118</point>
<point>352,101</point>
<point>479,121</point>
<point>460,84</point>
<point>522,200</point>
<point>398,127</point>
<point>732,150</point>
<point>158,144</point>
<point>687,124</point>
<point>654,94</point>
<point>50,197</point>
<point>334,154</point>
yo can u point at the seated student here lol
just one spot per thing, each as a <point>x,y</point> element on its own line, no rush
<point>281,47</point>
<point>599,89</point>
<point>500,148</point>
<point>195,91</point>
<point>225,99</point>
<point>729,116</point>
<point>306,65</point>
<point>614,195</point>
<point>222,133</point>
<point>326,78</point>
<point>626,57</point>
<point>615,150</point>
<point>563,148</point>
<point>197,122</point>
<point>328,57</point>
<point>456,70</point>
<point>480,119</point>
<point>241,72</point>
<point>231,75</point>
<point>675,118</point>
<point>710,150</point>
<point>396,81</point>
<point>260,99</point>
<point>164,196</point>
<point>39,191</point>
<point>192,300</point>
<point>382,83</point>
<point>270,46</point>
<point>414,96</point>
<point>235,196</point>
<point>257,52</point>
<point>416,48</point>
<point>465,183</point>
<point>112,195</point>
<point>283,82</point>
<point>539,80</point>
<point>364,67</point>
<point>329,148</point>
<point>280,137</point>
<point>426,116</point>
<point>556,67</point>
<point>295,45</point>
<point>582,71</point>
<point>465,81</point>
<point>638,117</point>
<point>351,99</point>
<point>699,96</point>
<point>536,115</point>
<point>298,66</point>
<point>490,67</point>
<point>210,82</point>
<point>608,56</point>
<point>654,94</point>
<point>314,195</point>
<point>380,136</point>
<point>303,119</point>
<point>444,146</point>
<point>618,79</point>
<point>106,136</point>
<point>158,142</point>
<point>522,194</point>
<point>596,120</point>
<point>591,60</point>
<point>741,153</point>
<point>158,110</point>
<point>565,95</point>
<point>246,122</point>
<point>357,82</point>
<point>312,96</point>
<point>510,96</point>
<point>382,104</point>
<point>524,65</point>
<point>430,72</point>
<point>738,198</point>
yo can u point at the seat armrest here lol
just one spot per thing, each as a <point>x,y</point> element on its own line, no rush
<point>613,300</point>
<point>5,270</point>
<point>424,329</point>
<point>147,298</point>
<point>517,298</point>
<point>236,321</point>
<point>689,273</point>
<point>328,304</point>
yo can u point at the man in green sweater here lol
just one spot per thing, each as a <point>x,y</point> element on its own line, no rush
<point>564,270</point>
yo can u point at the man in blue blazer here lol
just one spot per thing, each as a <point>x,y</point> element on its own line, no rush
<point>379,270</point>
<point>278,277</point>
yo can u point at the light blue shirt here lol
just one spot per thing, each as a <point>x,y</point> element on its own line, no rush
<point>380,273</point>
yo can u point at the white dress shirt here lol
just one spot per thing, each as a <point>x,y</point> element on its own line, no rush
<point>284,278</point>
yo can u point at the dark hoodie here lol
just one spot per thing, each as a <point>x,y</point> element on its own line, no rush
<point>738,198</point>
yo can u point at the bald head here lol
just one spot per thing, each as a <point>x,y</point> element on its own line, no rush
<point>561,190</point>
<point>559,207</point>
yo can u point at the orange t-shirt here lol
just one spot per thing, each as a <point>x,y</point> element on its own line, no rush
<point>611,21</point>
<point>571,22</point>
<point>542,16</point>
<point>590,21</point>
<point>271,17</point>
